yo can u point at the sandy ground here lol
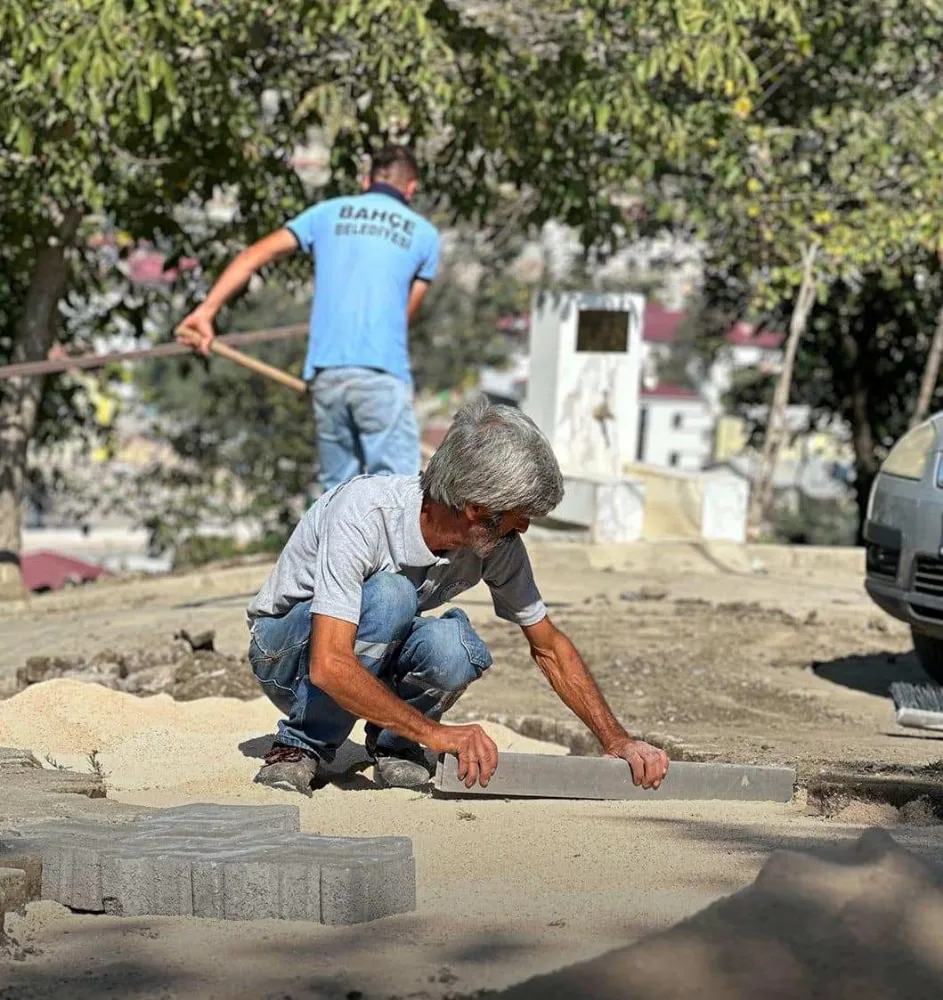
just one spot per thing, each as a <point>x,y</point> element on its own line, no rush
<point>863,919</point>
<point>767,654</point>
<point>507,889</point>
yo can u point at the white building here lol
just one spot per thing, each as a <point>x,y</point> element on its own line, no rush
<point>676,423</point>
<point>746,347</point>
<point>676,428</point>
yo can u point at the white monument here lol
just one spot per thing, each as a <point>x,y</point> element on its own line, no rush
<point>583,393</point>
<point>585,365</point>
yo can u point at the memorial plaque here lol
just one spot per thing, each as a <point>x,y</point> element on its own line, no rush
<point>585,367</point>
<point>602,331</point>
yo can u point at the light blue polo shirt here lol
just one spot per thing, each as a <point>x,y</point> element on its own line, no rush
<point>368,250</point>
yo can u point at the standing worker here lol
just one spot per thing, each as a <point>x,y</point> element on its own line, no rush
<point>374,259</point>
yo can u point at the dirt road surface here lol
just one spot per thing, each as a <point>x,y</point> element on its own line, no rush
<point>765,655</point>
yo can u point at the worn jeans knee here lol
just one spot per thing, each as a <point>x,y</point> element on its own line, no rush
<point>278,651</point>
<point>444,653</point>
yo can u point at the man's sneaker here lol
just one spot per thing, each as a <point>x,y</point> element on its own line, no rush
<point>289,768</point>
<point>402,768</point>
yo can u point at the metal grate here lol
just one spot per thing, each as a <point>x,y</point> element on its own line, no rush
<point>883,562</point>
<point>928,576</point>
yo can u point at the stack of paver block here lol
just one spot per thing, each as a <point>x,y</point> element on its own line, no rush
<point>225,862</point>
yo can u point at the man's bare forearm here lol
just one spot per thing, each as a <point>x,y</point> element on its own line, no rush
<point>576,687</point>
<point>416,295</point>
<point>357,691</point>
<point>231,281</point>
<point>236,276</point>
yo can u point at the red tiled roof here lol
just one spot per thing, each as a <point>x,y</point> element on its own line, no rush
<point>665,391</point>
<point>51,571</point>
<point>746,335</point>
<point>660,325</point>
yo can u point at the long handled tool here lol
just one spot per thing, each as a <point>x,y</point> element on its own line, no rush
<point>83,362</point>
<point>253,364</point>
<point>270,371</point>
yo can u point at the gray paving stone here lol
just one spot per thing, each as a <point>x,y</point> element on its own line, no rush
<point>14,892</point>
<point>547,776</point>
<point>224,862</point>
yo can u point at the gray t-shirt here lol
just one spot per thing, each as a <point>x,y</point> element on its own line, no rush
<point>371,525</point>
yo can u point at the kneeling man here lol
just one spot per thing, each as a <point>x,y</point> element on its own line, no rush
<point>340,630</point>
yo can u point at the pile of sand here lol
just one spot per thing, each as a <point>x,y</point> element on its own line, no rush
<point>867,920</point>
<point>211,745</point>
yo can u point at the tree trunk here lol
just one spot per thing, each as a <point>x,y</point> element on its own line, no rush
<point>20,397</point>
<point>776,423</point>
<point>931,374</point>
<point>862,436</point>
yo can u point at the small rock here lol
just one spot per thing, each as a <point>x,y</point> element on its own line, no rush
<point>919,812</point>
<point>199,640</point>
<point>46,668</point>
<point>11,758</point>
<point>151,680</point>
<point>643,594</point>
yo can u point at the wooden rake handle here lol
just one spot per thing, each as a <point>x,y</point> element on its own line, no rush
<point>253,364</point>
<point>269,371</point>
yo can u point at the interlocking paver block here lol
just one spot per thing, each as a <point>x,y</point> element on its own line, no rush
<point>226,862</point>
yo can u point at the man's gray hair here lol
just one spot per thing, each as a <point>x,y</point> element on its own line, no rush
<point>494,456</point>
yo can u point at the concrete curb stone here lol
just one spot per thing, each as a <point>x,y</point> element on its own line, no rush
<point>14,892</point>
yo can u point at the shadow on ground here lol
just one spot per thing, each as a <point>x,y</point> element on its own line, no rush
<point>860,926</point>
<point>872,673</point>
<point>87,958</point>
<point>837,927</point>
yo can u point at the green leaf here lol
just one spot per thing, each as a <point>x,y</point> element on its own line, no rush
<point>162,125</point>
<point>143,101</point>
<point>602,117</point>
<point>705,60</point>
<point>25,139</point>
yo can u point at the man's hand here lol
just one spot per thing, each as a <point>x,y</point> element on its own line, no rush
<point>476,752</point>
<point>197,331</point>
<point>649,764</point>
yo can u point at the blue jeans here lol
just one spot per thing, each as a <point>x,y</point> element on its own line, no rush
<point>365,424</point>
<point>428,662</point>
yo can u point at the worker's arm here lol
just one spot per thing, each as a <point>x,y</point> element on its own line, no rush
<point>416,294</point>
<point>570,678</point>
<point>275,246</point>
<point>339,674</point>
